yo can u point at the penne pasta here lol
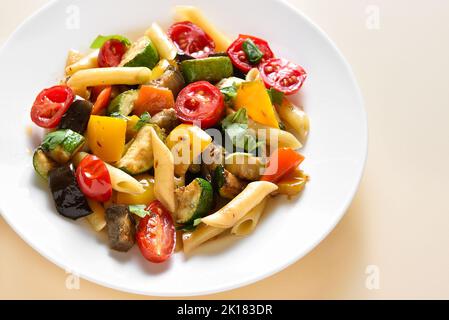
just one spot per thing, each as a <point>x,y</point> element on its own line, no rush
<point>273,136</point>
<point>192,240</point>
<point>120,180</point>
<point>238,207</point>
<point>164,173</point>
<point>109,76</point>
<point>73,57</point>
<point>193,14</point>
<point>88,62</point>
<point>248,223</point>
<point>163,43</point>
<point>295,118</point>
<point>97,219</point>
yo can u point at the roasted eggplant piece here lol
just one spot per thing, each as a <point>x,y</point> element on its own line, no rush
<point>212,157</point>
<point>227,185</point>
<point>69,200</point>
<point>166,119</point>
<point>121,228</point>
<point>77,116</point>
<point>171,79</point>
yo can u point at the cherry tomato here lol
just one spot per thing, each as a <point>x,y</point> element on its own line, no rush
<point>50,105</point>
<point>191,39</point>
<point>283,75</point>
<point>93,179</point>
<point>200,103</point>
<point>238,56</point>
<point>102,100</point>
<point>281,162</point>
<point>111,53</point>
<point>156,236</point>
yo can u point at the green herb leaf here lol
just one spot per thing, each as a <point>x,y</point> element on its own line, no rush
<point>230,93</point>
<point>196,222</point>
<point>54,139</point>
<point>144,119</point>
<point>275,96</point>
<point>236,128</point>
<point>253,53</point>
<point>138,210</point>
<point>100,40</point>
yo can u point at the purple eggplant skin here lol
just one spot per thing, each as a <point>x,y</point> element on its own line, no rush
<point>77,116</point>
<point>70,202</point>
<point>121,228</point>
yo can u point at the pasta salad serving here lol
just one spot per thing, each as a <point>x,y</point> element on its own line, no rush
<point>170,140</point>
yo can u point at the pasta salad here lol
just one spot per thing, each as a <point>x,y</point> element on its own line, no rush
<point>172,139</point>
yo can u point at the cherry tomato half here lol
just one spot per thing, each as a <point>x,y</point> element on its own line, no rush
<point>200,103</point>
<point>156,236</point>
<point>238,56</point>
<point>111,53</point>
<point>283,75</point>
<point>93,179</point>
<point>191,39</point>
<point>50,105</point>
<point>281,162</point>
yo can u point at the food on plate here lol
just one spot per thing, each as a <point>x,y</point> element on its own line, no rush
<point>178,134</point>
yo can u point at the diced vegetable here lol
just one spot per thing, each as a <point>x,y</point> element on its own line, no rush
<point>244,166</point>
<point>77,116</point>
<point>139,199</point>
<point>153,99</point>
<point>142,53</point>
<point>111,53</point>
<point>106,137</point>
<point>281,162</point>
<point>194,201</point>
<point>228,185</point>
<point>186,142</point>
<point>248,51</point>
<point>212,157</point>
<point>191,40</point>
<point>121,227</point>
<point>102,100</point>
<point>69,200</point>
<point>62,145</point>
<point>139,156</point>
<point>171,79</point>
<point>166,119</point>
<point>123,103</point>
<point>43,164</point>
<point>211,69</point>
<point>292,183</point>
<point>93,179</point>
<point>254,97</point>
<point>283,75</point>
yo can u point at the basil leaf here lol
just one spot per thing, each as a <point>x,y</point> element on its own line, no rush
<point>53,139</point>
<point>235,127</point>
<point>230,93</point>
<point>253,53</point>
<point>144,119</point>
<point>138,210</point>
<point>275,96</point>
<point>100,40</point>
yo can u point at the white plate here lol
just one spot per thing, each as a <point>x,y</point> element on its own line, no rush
<point>34,58</point>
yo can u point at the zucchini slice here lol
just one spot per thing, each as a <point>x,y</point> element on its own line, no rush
<point>228,185</point>
<point>123,103</point>
<point>211,69</point>
<point>194,201</point>
<point>43,164</point>
<point>139,156</point>
<point>62,145</point>
<point>142,53</point>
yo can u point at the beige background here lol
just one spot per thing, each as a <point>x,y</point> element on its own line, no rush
<point>399,220</point>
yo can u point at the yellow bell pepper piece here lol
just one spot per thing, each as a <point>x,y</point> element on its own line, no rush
<point>253,96</point>
<point>159,69</point>
<point>187,142</point>
<point>144,198</point>
<point>106,137</point>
